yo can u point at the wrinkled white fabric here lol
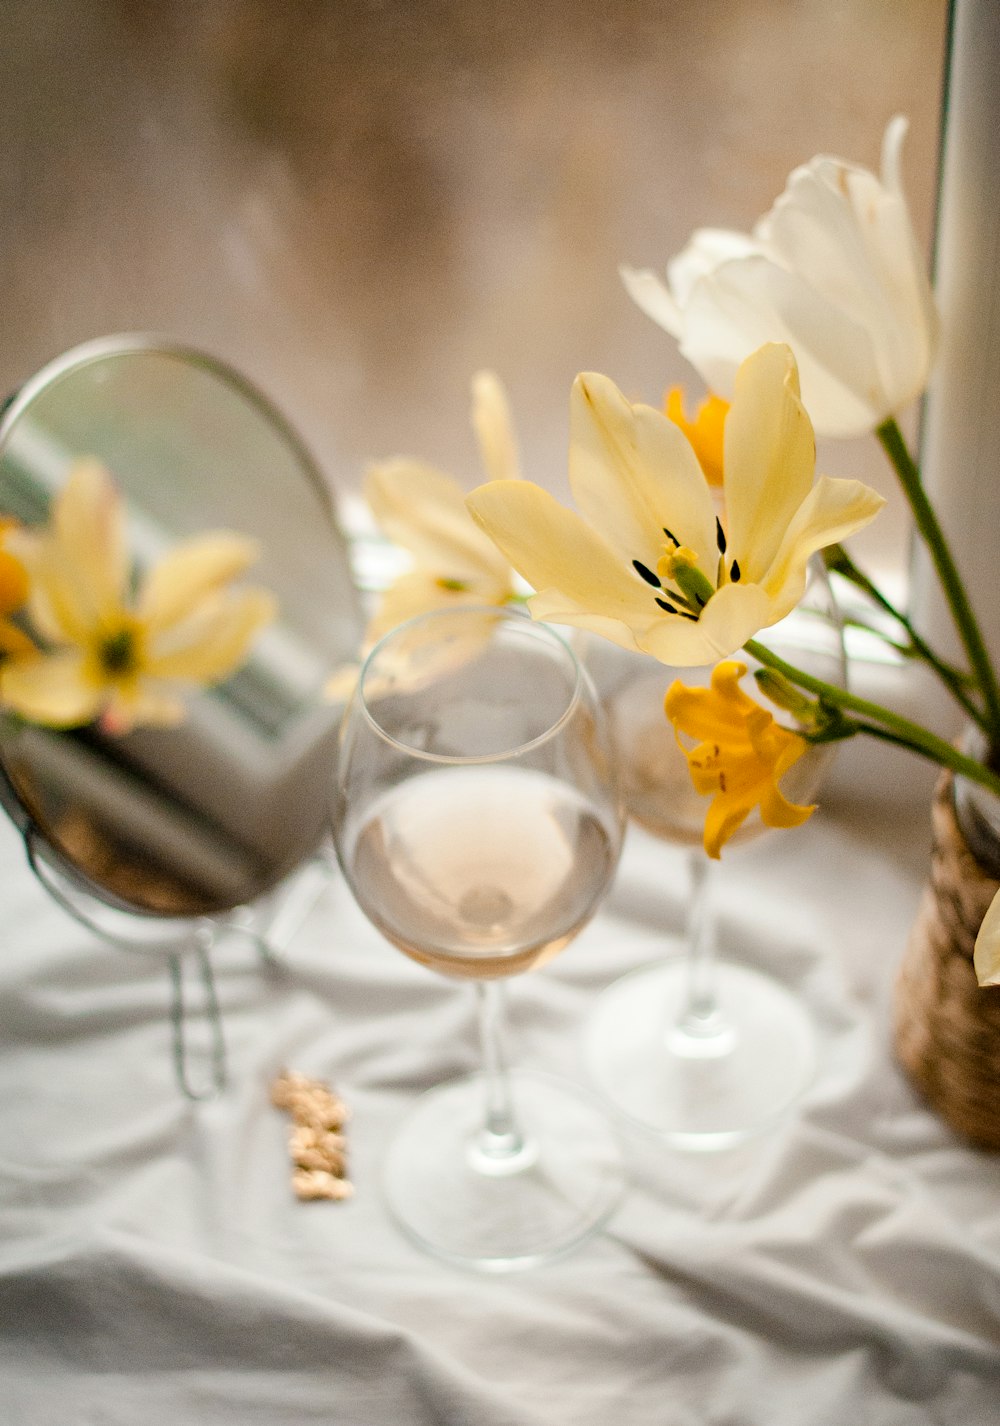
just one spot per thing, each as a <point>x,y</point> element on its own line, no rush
<point>155,1268</point>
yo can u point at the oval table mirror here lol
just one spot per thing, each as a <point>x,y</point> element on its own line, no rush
<point>181,593</point>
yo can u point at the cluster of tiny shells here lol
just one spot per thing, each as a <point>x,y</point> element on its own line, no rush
<point>317,1146</point>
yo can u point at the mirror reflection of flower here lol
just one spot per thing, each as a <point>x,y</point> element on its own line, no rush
<point>103,653</point>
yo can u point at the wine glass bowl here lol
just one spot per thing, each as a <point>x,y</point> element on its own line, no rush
<point>478,822</point>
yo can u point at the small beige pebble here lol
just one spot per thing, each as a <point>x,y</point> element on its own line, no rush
<point>311,1184</point>
<point>316,1147</point>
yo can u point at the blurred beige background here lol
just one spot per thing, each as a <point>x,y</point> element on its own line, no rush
<point>361,203</point>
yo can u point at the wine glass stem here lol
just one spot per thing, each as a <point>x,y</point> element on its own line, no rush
<point>500,1138</point>
<point>700,1027</point>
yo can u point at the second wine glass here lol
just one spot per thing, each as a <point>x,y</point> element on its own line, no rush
<point>478,823</point>
<point>703,1052</point>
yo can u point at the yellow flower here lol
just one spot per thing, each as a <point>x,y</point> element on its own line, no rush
<point>423,510</point>
<point>123,658</point>
<point>649,565</point>
<point>740,755</point>
<point>705,432</point>
<point>14,586</point>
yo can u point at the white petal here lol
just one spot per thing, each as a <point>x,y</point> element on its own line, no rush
<point>651,296</point>
<point>747,303</point>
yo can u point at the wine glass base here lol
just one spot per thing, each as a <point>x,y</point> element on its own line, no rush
<point>708,1090</point>
<point>500,1214</point>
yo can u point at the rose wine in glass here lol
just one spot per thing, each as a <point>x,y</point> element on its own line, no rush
<point>478,822</point>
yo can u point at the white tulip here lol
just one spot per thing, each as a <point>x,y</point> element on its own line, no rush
<point>834,271</point>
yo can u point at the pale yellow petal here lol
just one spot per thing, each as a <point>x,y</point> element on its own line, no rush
<point>556,552</point>
<point>633,474</point>
<point>419,592</point>
<point>191,570</point>
<point>770,457</point>
<point>734,614</point>
<point>494,428</point>
<point>88,526</point>
<point>424,511</point>
<point>213,641</point>
<point>986,958</point>
<point>51,689</point>
<point>832,511</point>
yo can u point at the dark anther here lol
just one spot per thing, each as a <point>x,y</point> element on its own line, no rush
<point>734,572</point>
<point>646,573</point>
<point>672,538</point>
<point>668,607</point>
<point>720,536</point>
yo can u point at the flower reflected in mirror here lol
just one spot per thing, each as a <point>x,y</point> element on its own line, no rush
<point>116,646</point>
<point>14,585</point>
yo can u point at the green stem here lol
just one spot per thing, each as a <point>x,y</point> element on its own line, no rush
<point>880,722</point>
<point>838,561</point>
<point>895,448</point>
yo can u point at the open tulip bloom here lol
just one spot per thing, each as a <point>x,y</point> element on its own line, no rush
<point>834,270</point>
<point>649,562</point>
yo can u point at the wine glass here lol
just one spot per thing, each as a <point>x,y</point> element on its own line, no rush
<point>478,822</point>
<point>705,1052</point>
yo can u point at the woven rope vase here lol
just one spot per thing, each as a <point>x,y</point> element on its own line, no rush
<point>947,1028</point>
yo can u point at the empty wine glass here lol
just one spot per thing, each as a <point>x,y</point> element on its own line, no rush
<point>700,1051</point>
<point>478,822</point>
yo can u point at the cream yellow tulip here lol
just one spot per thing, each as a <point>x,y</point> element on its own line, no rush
<point>647,562</point>
<point>423,511</point>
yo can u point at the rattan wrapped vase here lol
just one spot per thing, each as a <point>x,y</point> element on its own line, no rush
<point>947,1028</point>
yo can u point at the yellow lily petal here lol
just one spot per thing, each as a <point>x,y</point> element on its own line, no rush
<point>706,432</point>
<point>423,510</point>
<point>88,531</point>
<point>561,556</point>
<point>632,473</point>
<point>986,957</point>
<point>419,592</point>
<point>739,756</point>
<point>770,457</point>
<point>832,511</point>
<point>494,428</point>
<point>51,689</point>
<point>734,614</point>
<point>214,640</point>
<point>191,570</point>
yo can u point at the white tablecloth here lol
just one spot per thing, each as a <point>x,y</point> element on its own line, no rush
<point>155,1268</point>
